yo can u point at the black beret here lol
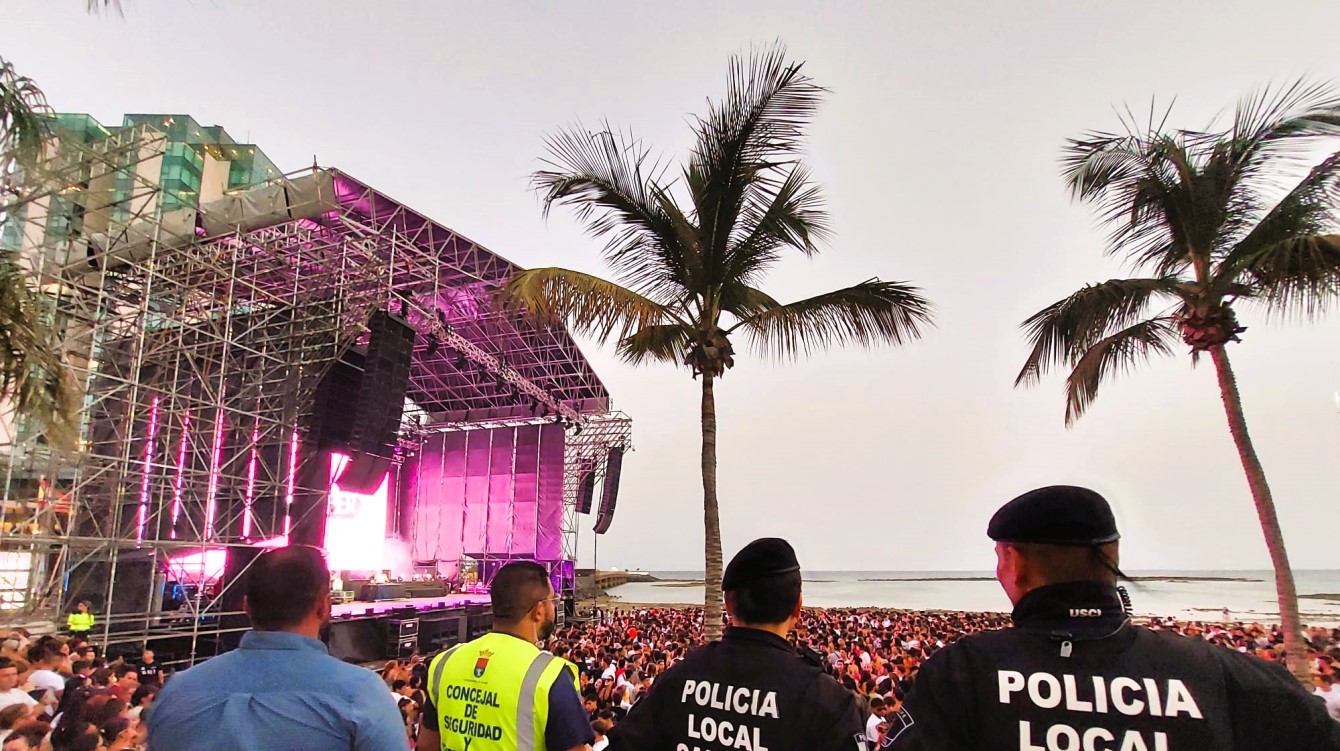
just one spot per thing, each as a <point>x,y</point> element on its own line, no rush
<point>1058,515</point>
<point>767,556</point>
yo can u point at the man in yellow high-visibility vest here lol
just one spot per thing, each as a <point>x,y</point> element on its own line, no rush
<point>500,692</point>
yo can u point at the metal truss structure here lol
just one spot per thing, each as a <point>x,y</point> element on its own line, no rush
<point>200,335</point>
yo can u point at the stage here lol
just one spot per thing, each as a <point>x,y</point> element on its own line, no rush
<point>363,631</point>
<point>419,604</point>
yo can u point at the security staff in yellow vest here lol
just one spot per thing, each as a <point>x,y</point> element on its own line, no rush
<point>500,692</point>
<point>80,621</point>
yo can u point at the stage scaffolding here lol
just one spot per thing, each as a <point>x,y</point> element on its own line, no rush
<point>200,334</point>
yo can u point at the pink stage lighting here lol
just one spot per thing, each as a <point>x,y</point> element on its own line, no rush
<point>205,565</point>
<point>212,490</point>
<point>292,481</point>
<point>356,525</point>
<point>181,471</point>
<point>251,486</point>
<point>199,566</point>
<point>143,517</point>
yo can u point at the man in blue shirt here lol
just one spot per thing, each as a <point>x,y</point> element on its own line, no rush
<point>280,689</point>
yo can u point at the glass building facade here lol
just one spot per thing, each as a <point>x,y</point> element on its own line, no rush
<point>196,160</point>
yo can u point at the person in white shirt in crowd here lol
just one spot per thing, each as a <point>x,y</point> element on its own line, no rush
<point>600,726</point>
<point>1329,691</point>
<point>877,711</point>
<point>624,689</point>
<point>51,666</point>
<point>10,693</point>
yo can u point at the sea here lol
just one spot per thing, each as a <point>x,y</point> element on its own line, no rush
<point>1188,595</point>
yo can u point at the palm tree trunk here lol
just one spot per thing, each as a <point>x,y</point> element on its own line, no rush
<point>711,522</point>
<point>1265,511</point>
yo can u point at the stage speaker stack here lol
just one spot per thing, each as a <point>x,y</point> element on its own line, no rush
<point>613,467</point>
<point>380,404</point>
<point>586,491</point>
<point>402,636</point>
<point>330,411</point>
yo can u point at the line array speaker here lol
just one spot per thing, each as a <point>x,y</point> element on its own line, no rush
<point>613,467</point>
<point>381,402</point>
<point>586,492</point>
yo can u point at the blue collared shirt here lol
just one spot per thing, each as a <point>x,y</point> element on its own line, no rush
<point>276,692</point>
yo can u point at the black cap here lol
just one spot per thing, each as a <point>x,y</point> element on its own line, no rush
<point>1057,515</point>
<point>767,556</point>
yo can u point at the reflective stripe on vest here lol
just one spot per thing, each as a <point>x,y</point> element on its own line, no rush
<point>438,665</point>
<point>525,706</point>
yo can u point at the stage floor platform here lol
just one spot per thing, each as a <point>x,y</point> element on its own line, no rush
<point>360,609</point>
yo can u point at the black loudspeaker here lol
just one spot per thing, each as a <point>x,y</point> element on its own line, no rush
<point>131,592</point>
<point>337,392</point>
<point>381,392</point>
<point>363,474</point>
<point>613,466</point>
<point>233,589</point>
<point>586,491</point>
<point>234,584</point>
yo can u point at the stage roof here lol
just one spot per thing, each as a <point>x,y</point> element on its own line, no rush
<point>330,249</point>
<point>443,381</point>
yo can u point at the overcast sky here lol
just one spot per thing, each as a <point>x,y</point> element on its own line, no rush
<point>938,148</point>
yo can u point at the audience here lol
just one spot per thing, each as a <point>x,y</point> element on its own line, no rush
<point>89,705</point>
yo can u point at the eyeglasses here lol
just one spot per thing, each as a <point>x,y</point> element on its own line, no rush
<point>555,599</point>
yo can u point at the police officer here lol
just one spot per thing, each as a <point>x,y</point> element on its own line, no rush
<point>500,692</point>
<point>1074,673</point>
<point>750,691</point>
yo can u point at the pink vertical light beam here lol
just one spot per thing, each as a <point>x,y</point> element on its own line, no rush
<point>211,495</point>
<point>292,480</point>
<point>251,485</point>
<point>181,472</point>
<point>143,518</point>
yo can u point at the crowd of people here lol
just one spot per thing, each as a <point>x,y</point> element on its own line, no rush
<point>875,653</point>
<point>62,694</point>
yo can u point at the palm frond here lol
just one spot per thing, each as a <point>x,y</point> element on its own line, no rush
<point>1273,131</point>
<point>587,303</point>
<point>745,145</point>
<point>1063,332</point>
<point>32,374</point>
<point>1096,164</point>
<point>871,312</point>
<point>1288,259</point>
<point>1277,122</point>
<point>1134,182</point>
<point>25,122</point>
<point>1298,275</point>
<point>794,217</point>
<point>1113,354</point>
<point>661,343</point>
<point>618,190</point>
<point>743,301</point>
<point>95,6</point>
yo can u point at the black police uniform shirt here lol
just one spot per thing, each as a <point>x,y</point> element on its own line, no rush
<point>748,692</point>
<point>1074,674</point>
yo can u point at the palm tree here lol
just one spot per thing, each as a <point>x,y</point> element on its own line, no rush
<point>33,378</point>
<point>688,273</point>
<point>1210,219</point>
